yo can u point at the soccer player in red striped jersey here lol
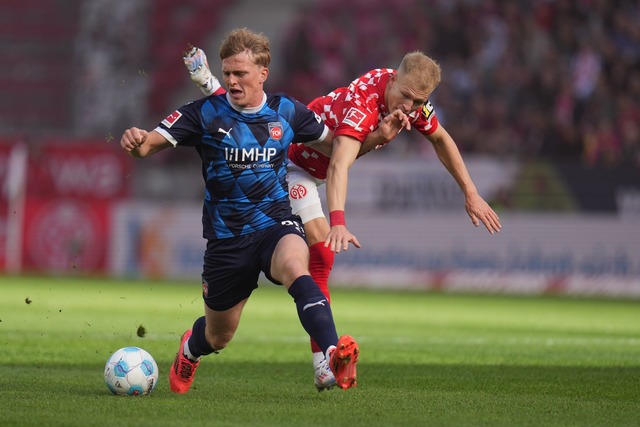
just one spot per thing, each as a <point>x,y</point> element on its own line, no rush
<point>364,116</point>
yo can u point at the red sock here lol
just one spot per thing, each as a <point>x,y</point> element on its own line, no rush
<point>320,264</point>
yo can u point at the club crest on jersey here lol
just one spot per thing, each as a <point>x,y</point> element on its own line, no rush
<point>427,110</point>
<point>354,117</point>
<point>275,130</point>
<point>172,118</point>
<point>297,192</point>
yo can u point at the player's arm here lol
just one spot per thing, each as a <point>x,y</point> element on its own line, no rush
<point>140,143</point>
<point>387,130</point>
<point>345,150</point>
<point>476,207</point>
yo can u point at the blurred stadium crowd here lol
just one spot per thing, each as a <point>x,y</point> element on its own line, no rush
<point>543,79</point>
<point>552,78</point>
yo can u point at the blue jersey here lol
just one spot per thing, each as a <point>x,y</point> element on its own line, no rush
<point>244,154</point>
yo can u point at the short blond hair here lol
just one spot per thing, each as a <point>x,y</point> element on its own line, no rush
<point>424,71</point>
<point>244,40</point>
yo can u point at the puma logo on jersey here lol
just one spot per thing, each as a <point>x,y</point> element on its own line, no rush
<point>226,132</point>
<point>321,302</point>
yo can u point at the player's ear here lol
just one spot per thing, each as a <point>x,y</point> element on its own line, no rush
<point>392,78</point>
<point>264,74</point>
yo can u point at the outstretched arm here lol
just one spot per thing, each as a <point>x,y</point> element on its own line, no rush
<point>476,207</point>
<point>345,150</point>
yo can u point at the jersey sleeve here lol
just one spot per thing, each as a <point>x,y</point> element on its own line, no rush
<point>425,119</point>
<point>183,126</point>
<point>309,127</point>
<point>354,117</point>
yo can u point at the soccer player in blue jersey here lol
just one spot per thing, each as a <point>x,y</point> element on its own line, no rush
<point>242,137</point>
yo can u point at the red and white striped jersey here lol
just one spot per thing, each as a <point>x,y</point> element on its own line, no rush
<point>356,111</point>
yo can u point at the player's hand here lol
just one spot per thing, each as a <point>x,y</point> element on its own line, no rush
<point>393,124</point>
<point>196,62</point>
<point>339,238</point>
<point>194,59</point>
<point>479,211</point>
<point>133,138</point>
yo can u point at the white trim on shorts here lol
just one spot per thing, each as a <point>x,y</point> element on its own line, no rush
<point>303,193</point>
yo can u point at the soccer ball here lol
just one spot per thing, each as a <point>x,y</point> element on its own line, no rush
<point>131,371</point>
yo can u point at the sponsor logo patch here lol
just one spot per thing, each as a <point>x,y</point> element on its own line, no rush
<point>172,118</point>
<point>354,117</point>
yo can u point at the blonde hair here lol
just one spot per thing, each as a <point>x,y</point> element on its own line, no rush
<point>244,40</point>
<point>424,71</point>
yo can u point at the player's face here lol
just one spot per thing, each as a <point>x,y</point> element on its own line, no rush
<point>244,80</point>
<point>402,94</point>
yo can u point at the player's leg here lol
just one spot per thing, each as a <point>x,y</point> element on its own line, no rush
<point>305,202</point>
<point>230,274</point>
<point>321,258</point>
<point>288,266</point>
<point>320,264</point>
<point>209,334</point>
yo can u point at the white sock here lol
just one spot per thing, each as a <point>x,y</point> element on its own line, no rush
<point>329,351</point>
<point>318,358</point>
<point>187,352</point>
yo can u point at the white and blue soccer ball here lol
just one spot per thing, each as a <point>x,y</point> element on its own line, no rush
<point>131,371</point>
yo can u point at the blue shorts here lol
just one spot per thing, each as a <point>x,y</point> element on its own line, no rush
<point>232,266</point>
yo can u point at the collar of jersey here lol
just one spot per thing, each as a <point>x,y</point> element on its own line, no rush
<point>248,110</point>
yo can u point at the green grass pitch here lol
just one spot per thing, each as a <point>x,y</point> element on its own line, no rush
<point>427,359</point>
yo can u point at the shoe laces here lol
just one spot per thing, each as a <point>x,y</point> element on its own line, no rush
<point>185,368</point>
